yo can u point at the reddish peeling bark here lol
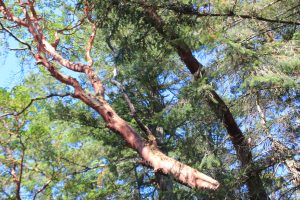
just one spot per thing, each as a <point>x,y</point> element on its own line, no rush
<point>164,182</point>
<point>151,155</point>
<point>254,183</point>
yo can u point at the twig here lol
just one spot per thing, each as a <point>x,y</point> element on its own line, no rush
<point>33,100</point>
<point>189,10</point>
<point>131,107</point>
<point>42,189</point>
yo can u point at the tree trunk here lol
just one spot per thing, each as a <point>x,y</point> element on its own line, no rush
<point>254,183</point>
<point>165,182</point>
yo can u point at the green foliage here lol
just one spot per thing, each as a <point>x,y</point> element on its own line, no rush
<point>67,144</point>
<point>210,161</point>
<point>270,80</point>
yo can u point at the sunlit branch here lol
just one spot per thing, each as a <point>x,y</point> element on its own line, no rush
<point>56,41</point>
<point>87,11</point>
<point>34,28</point>
<point>8,15</point>
<point>90,45</point>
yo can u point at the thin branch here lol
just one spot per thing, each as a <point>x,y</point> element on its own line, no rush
<point>56,41</point>
<point>131,107</point>
<point>68,28</point>
<point>42,189</point>
<point>44,47</point>
<point>21,163</point>
<point>32,101</point>
<point>13,171</point>
<point>90,45</point>
<point>278,146</point>
<point>189,10</point>
<point>8,15</point>
<point>289,191</point>
<point>18,49</point>
<point>34,28</point>
<point>16,38</point>
<point>125,96</point>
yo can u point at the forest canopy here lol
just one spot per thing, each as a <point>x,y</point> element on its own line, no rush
<point>148,99</point>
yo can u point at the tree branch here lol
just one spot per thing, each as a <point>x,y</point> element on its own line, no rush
<point>32,101</point>
<point>150,153</point>
<point>43,188</point>
<point>15,37</point>
<point>131,107</point>
<point>90,45</point>
<point>217,104</point>
<point>190,10</point>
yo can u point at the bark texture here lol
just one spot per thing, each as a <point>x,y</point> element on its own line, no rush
<point>156,135</point>
<point>46,55</point>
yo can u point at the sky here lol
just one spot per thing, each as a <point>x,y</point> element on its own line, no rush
<point>12,73</point>
<point>11,70</point>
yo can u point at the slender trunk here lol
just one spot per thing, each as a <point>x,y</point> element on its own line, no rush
<point>137,193</point>
<point>18,182</point>
<point>254,183</point>
<point>165,182</point>
<point>13,171</point>
<point>165,190</point>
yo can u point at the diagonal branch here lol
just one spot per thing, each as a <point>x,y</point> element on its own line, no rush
<point>131,107</point>
<point>150,153</point>
<point>69,28</point>
<point>9,16</point>
<point>15,37</point>
<point>34,28</point>
<point>42,188</point>
<point>217,104</point>
<point>32,101</point>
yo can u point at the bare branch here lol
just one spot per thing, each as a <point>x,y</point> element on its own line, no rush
<point>8,15</point>
<point>90,45</point>
<point>189,10</point>
<point>56,42</point>
<point>16,38</point>
<point>43,188</point>
<point>131,107</point>
<point>35,30</point>
<point>32,101</point>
